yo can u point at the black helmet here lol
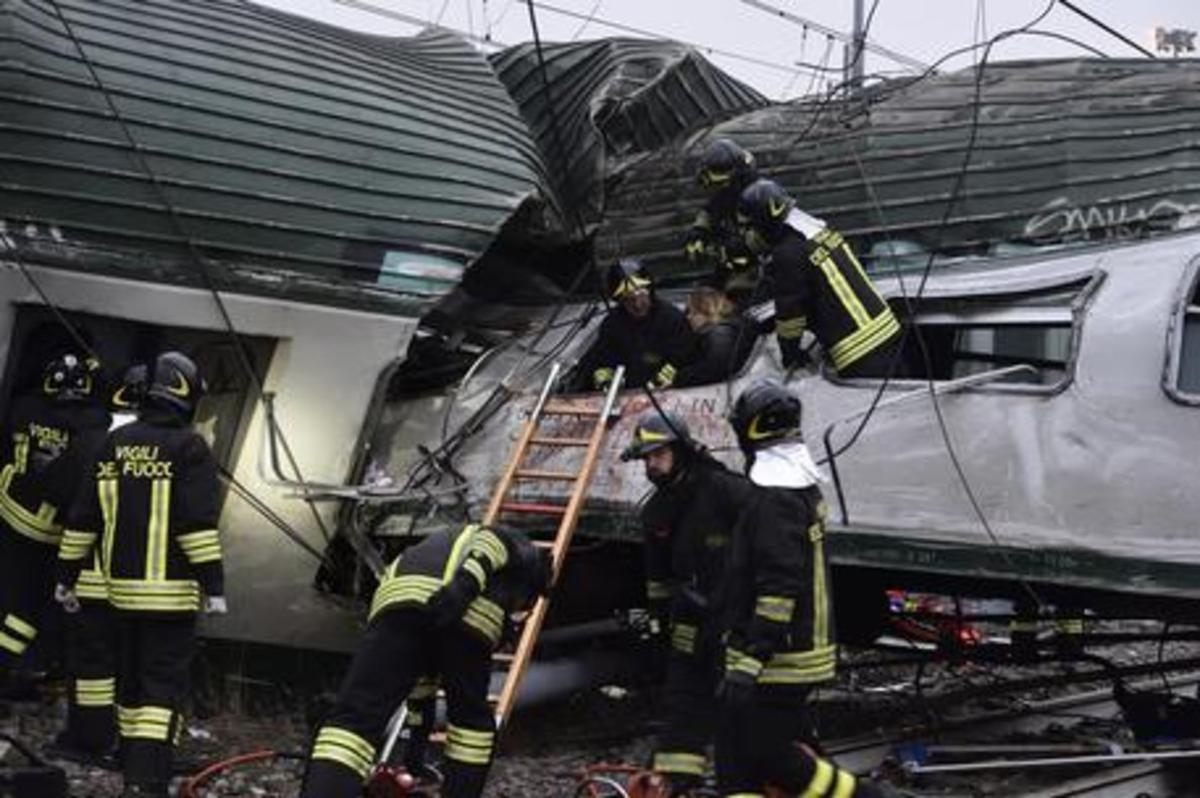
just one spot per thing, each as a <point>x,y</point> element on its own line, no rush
<point>763,208</point>
<point>764,414</point>
<point>176,383</point>
<point>131,391</point>
<point>626,276</point>
<point>654,431</point>
<point>725,165</point>
<point>69,377</point>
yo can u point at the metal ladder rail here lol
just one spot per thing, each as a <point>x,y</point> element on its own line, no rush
<point>517,663</point>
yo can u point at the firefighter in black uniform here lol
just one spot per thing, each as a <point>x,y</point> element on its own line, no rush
<point>819,284</point>
<point>91,639</point>
<point>40,431</point>
<point>440,610</point>
<point>646,334</point>
<point>714,237</point>
<point>688,522</point>
<point>778,615</point>
<point>153,511</point>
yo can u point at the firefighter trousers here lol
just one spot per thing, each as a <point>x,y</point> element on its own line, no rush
<point>27,582</point>
<point>400,646</point>
<point>757,746</point>
<point>153,682</point>
<point>688,710</point>
<point>91,649</point>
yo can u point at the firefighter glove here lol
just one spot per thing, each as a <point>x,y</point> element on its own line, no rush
<point>695,244</point>
<point>67,598</point>
<point>215,605</point>
<point>736,689</point>
<point>665,376</point>
<point>601,378</point>
<point>449,603</point>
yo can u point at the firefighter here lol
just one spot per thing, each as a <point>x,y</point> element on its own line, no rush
<point>40,431</point>
<point>646,334</point>
<point>91,656</point>
<point>155,500</point>
<point>440,610</point>
<point>778,615</point>
<point>714,237</point>
<point>819,284</point>
<point>688,522</point>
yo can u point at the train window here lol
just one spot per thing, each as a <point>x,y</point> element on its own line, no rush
<point>1188,381</point>
<point>971,335</point>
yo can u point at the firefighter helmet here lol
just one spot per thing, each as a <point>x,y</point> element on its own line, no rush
<point>763,209</point>
<point>655,430</point>
<point>628,276</point>
<point>764,414</point>
<point>131,391</point>
<point>70,377</point>
<point>176,383</point>
<point>725,165</point>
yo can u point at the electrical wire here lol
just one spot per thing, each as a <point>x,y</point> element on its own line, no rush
<point>1067,4</point>
<point>197,257</point>
<point>591,15</point>
<point>73,331</point>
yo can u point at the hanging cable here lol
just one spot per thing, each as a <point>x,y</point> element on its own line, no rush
<point>591,15</point>
<point>1106,28</point>
<point>197,257</point>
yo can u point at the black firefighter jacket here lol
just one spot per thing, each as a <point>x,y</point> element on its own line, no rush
<point>152,510</point>
<point>776,597</point>
<point>688,528</point>
<point>501,570</point>
<point>643,346</point>
<point>715,235</point>
<point>39,432</point>
<point>820,285</point>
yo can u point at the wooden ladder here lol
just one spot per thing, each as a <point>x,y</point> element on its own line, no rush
<point>532,436</point>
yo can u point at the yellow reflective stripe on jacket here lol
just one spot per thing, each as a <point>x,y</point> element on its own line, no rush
<point>145,723</point>
<point>679,762</point>
<point>16,634</point>
<point>825,775</point>
<point>791,328</point>
<point>841,287</point>
<point>865,339</point>
<point>486,617</point>
<point>488,545</point>
<point>20,461</point>
<point>75,544</point>
<point>469,746</point>
<point>158,529</point>
<point>343,746</point>
<point>95,692</point>
<point>775,608</point>
<point>800,667</point>
<point>91,585</point>
<point>22,627</point>
<point>475,569</point>
<point>459,551</point>
<point>657,590</point>
<point>200,547</point>
<point>106,492</point>
<point>683,638</point>
<point>821,601</point>
<point>739,661</point>
<point>173,595</point>
<point>403,589</point>
<point>39,526</point>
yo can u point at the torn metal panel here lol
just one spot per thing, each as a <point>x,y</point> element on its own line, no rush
<point>1065,151</point>
<point>298,157</point>
<point>612,99</point>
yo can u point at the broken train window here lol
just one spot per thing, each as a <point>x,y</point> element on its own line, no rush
<point>1187,377</point>
<point>968,335</point>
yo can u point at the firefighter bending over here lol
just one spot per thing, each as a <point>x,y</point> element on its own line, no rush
<point>153,508</point>
<point>714,238</point>
<point>35,494</point>
<point>646,334</point>
<point>819,284</point>
<point>440,610</point>
<point>778,613</point>
<point>688,522</point>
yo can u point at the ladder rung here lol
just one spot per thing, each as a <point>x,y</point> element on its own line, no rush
<point>542,544</point>
<point>562,442</point>
<point>533,508</point>
<point>493,698</point>
<point>569,408</point>
<point>560,476</point>
<point>503,656</point>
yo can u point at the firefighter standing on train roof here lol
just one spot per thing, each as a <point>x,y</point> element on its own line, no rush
<point>714,237</point>
<point>778,613</point>
<point>646,334</point>
<point>440,610</point>
<point>687,522</point>
<point>153,513</point>
<point>819,284</point>
<point>91,656</point>
<point>39,432</point>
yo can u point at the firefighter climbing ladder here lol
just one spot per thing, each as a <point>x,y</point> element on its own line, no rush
<point>533,436</point>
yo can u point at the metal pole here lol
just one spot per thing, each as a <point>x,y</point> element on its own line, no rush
<point>857,53</point>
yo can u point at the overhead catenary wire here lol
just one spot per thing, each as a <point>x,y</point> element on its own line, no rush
<point>197,257</point>
<point>1067,4</point>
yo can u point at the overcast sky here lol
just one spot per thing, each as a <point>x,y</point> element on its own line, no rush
<point>741,35</point>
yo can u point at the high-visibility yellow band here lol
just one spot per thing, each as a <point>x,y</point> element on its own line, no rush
<point>201,547</point>
<point>657,590</point>
<point>738,661</point>
<point>75,544</point>
<point>683,638</point>
<point>12,645</point>
<point>775,608</point>
<point>95,692</point>
<point>684,762</point>
<point>346,748</point>
<point>470,746</point>
<point>791,328</point>
<point>865,339</point>
<point>19,625</point>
